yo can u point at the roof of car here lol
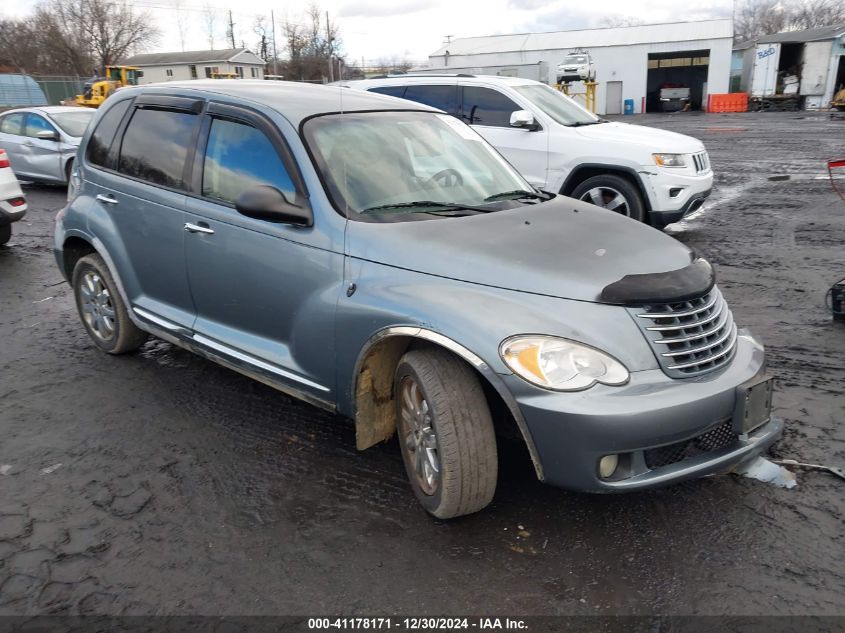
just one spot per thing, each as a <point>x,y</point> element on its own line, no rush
<point>437,78</point>
<point>52,109</point>
<point>293,100</point>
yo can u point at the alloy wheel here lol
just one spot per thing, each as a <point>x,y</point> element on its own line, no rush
<point>97,307</point>
<point>418,437</point>
<point>607,198</point>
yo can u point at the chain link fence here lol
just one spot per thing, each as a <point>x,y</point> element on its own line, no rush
<point>58,88</point>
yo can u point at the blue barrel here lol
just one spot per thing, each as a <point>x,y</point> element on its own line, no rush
<point>629,106</point>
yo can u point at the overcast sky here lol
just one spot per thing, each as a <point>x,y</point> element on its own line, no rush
<point>385,29</point>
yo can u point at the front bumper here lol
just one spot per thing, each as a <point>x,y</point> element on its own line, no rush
<point>573,431</point>
<point>675,193</point>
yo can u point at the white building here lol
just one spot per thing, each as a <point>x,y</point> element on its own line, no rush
<point>631,62</point>
<point>159,67</point>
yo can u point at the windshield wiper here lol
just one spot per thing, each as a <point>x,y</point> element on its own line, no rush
<point>427,203</point>
<point>516,194</point>
<point>580,123</point>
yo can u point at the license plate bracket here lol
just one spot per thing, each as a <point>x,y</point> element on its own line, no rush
<point>753,404</point>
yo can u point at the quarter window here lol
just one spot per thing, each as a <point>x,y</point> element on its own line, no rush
<point>101,139</point>
<point>443,97</point>
<point>12,123</point>
<point>239,156</point>
<point>483,106</point>
<point>155,146</point>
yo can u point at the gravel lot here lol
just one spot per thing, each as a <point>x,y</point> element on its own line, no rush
<point>160,483</point>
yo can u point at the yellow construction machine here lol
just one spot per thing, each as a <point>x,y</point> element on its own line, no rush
<point>97,89</point>
<point>219,75</point>
<point>838,101</point>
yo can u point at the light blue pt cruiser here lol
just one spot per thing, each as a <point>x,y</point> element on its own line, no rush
<point>378,258</point>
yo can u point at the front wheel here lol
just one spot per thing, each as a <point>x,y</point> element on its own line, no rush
<point>613,193</point>
<point>5,234</point>
<point>445,433</point>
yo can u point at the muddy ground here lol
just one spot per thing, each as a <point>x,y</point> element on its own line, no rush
<point>161,483</point>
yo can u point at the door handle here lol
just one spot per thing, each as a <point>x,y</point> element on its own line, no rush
<point>196,228</point>
<point>108,199</point>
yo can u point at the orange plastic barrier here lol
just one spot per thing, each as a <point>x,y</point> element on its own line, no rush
<point>731,102</point>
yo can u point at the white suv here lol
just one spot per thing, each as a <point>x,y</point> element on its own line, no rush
<point>12,201</point>
<point>647,174</point>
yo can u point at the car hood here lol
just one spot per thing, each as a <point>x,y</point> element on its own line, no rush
<point>653,139</point>
<point>561,248</point>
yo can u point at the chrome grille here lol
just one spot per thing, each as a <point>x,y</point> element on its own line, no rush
<point>689,338</point>
<point>701,162</point>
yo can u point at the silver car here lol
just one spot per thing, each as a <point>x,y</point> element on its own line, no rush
<point>41,142</point>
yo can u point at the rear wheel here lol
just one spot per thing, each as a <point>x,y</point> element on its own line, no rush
<point>101,309</point>
<point>445,433</point>
<point>5,234</point>
<point>613,193</point>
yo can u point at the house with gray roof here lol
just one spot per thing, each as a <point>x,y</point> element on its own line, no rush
<point>160,67</point>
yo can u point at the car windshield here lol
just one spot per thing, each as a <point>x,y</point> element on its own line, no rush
<point>73,123</point>
<point>409,162</point>
<point>561,108</point>
<point>575,59</point>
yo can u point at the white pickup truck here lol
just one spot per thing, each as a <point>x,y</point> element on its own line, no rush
<point>647,174</point>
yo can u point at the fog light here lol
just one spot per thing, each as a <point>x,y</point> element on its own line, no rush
<point>674,192</point>
<point>607,465</point>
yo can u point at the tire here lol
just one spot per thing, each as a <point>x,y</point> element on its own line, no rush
<point>5,234</point>
<point>101,308</point>
<point>633,201</point>
<point>450,402</point>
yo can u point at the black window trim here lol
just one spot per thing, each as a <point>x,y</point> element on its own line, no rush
<point>164,103</point>
<point>254,118</point>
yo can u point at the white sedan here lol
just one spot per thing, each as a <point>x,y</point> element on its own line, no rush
<point>41,141</point>
<point>12,202</point>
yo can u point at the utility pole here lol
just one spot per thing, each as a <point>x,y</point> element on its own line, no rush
<point>448,39</point>
<point>275,57</point>
<point>329,42</point>
<point>231,32</point>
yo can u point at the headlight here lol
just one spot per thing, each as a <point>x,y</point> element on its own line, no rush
<point>669,160</point>
<point>559,364</point>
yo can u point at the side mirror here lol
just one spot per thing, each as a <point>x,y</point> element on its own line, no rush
<point>48,135</point>
<point>263,202</point>
<point>524,119</point>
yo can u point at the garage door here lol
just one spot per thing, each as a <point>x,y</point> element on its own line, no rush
<point>678,69</point>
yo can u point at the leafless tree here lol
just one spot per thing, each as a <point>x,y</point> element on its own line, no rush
<point>75,36</point>
<point>182,22</point>
<point>614,21</point>
<point>209,15</point>
<point>310,43</point>
<point>754,18</point>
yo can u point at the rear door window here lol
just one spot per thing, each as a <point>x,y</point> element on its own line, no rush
<point>393,91</point>
<point>484,106</point>
<point>12,123</point>
<point>239,156</point>
<point>101,139</point>
<point>442,97</point>
<point>155,146</point>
